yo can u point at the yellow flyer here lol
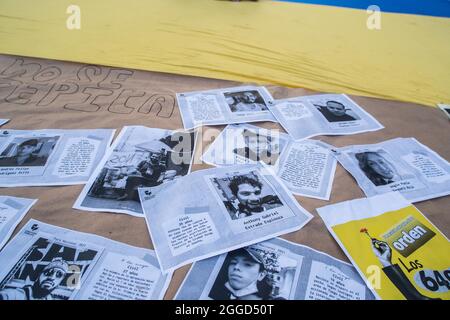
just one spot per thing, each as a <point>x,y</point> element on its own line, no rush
<point>399,252</point>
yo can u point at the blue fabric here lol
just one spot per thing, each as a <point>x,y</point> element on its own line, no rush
<point>437,8</point>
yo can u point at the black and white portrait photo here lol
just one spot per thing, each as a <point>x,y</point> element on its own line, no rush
<point>259,147</point>
<point>335,111</point>
<point>245,195</point>
<point>378,167</point>
<point>48,270</point>
<point>245,101</point>
<point>51,276</point>
<point>254,273</point>
<point>28,151</point>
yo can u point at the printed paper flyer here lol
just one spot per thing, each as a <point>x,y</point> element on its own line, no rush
<point>393,245</point>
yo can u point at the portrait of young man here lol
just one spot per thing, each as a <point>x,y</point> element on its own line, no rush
<point>247,190</point>
<point>245,275</point>
<point>246,101</point>
<point>377,168</point>
<point>335,111</point>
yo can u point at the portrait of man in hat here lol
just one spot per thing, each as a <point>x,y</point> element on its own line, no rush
<point>245,275</point>
<point>248,192</point>
<point>49,279</point>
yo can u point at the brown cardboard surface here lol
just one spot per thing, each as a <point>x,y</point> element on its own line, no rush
<point>104,97</point>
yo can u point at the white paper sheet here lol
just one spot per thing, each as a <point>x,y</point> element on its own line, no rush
<point>275,269</point>
<point>139,157</point>
<point>45,262</point>
<point>225,106</point>
<point>12,211</point>
<point>401,164</point>
<point>225,208</point>
<point>324,114</point>
<point>50,157</point>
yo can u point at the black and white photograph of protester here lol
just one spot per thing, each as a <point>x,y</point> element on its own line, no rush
<point>335,111</point>
<point>246,195</point>
<point>254,273</point>
<point>121,182</point>
<point>49,279</point>
<point>48,270</point>
<point>141,157</point>
<point>245,101</point>
<point>28,151</point>
<point>377,167</point>
<point>258,147</point>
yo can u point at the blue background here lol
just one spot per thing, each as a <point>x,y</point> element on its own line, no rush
<point>437,8</point>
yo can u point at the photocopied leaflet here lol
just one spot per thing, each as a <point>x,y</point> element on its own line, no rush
<point>401,164</point>
<point>50,157</point>
<point>307,166</point>
<point>393,245</point>
<point>225,106</point>
<point>45,262</point>
<point>225,208</point>
<point>275,269</point>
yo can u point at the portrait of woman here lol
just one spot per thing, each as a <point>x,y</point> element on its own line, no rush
<point>377,168</point>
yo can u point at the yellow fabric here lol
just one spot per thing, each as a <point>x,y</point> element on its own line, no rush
<point>317,47</point>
